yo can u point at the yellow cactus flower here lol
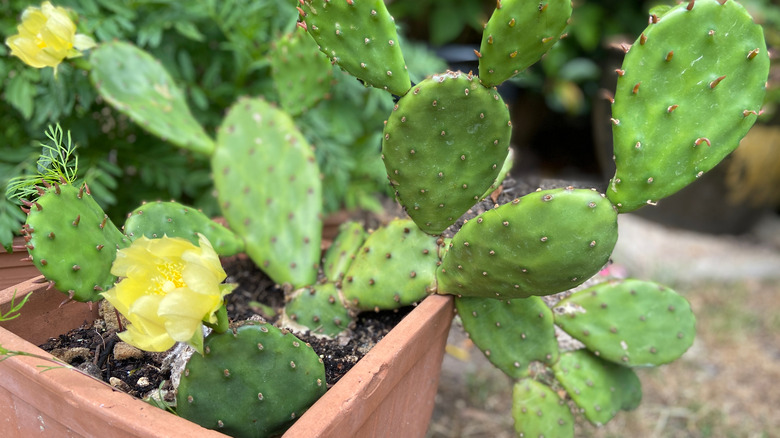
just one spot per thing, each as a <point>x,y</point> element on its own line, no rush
<point>46,36</point>
<point>170,287</point>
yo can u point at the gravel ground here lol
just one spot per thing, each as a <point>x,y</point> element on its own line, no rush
<point>722,387</point>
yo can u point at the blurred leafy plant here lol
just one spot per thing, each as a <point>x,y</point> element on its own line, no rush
<point>216,50</point>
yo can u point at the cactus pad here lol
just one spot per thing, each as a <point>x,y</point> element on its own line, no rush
<point>269,189</point>
<point>136,84</point>
<point>538,411</point>
<point>318,309</point>
<point>360,36</point>
<point>517,35</point>
<point>688,91</point>
<point>157,219</point>
<point>343,250</point>
<point>600,388</point>
<point>444,145</point>
<point>395,267</point>
<point>253,382</point>
<point>302,74</point>
<point>72,241</point>
<point>545,242</point>
<point>631,322</point>
<point>511,333</point>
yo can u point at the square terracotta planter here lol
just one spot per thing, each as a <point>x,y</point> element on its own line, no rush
<point>390,392</point>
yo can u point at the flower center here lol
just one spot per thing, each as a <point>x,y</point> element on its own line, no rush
<point>168,279</point>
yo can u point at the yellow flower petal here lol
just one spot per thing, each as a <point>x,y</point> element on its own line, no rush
<point>183,312</point>
<point>83,42</point>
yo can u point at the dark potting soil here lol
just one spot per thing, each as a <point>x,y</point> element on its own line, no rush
<point>92,348</point>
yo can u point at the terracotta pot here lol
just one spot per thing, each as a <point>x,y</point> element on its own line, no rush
<point>390,392</point>
<point>14,267</point>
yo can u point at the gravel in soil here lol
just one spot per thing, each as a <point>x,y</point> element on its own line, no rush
<point>97,350</point>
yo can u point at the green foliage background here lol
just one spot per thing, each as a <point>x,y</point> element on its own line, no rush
<point>216,50</point>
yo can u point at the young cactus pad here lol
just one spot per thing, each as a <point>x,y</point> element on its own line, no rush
<point>511,333</point>
<point>360,36</point>
<point>338,258</point>
<point>269,189</point>
<point>631,322</point>
<point>545,242</point>
<point>601,389</point>
<point>137,85</point>
<point>251,382</point>
<point>72,241</point>
<point>395,267</point>
<point>444,145</point>
<point>538,411</point>
<point>517,35</point>
<point>318,309</point>
<point>302,74</point>
<point>158,219</point>
<point>688,91</point>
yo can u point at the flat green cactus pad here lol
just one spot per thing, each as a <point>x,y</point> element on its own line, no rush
<point>360,36</point>
<point>601,389</point>
<point>511,333</point>
<point>172,219</point>
<point>395,267</point>
<point>631,322</point>
<point>137,85</point>
<point>72,241</point>
<point>269,189</point>
<point>688,91</point>
<point>538,411</point>
<point>251,382</point>
<point>338,258</point>
<point>302,74</point>
<point>545,242</point>
<point>318,309</point>
<point>517,35</point>
<point>444,145</point>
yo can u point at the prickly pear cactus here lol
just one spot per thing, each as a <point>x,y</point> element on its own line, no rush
<point>444,145</point>
<point>302,74</point>
<point>251,382</point>
<point>157,219</point>
<point>137,85</point>
<point>538,411</point>
<point>631,322</point>
<point>688,91</point>
<point>601,389</point>
<point>518,33</point>
<point>511,333</point>
<point>359,36</point>
<point>269,189</point>
<point>338,258</point>
<point>61,220</point>
<point>318,309</point>
<point>542,243</point>
<point>395,267</point>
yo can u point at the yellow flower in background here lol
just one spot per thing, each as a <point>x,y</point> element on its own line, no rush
<point>170,287</point>
<point>46,36</point>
